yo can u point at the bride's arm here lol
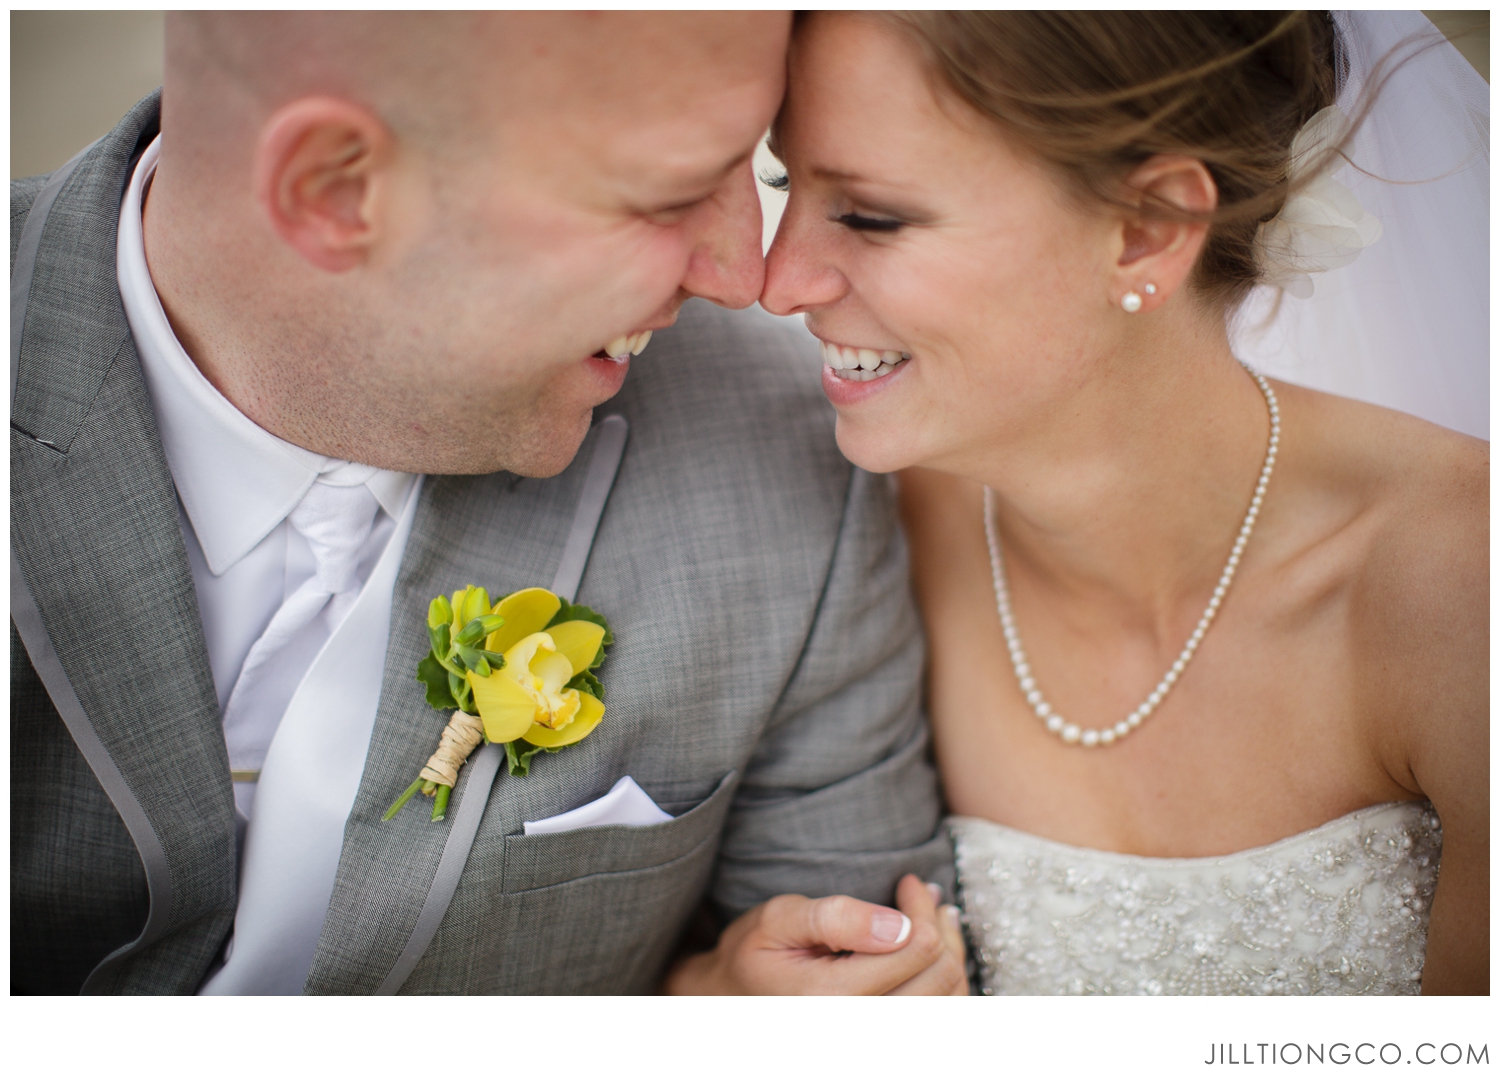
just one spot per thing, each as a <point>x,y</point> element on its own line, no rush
<point>1429,591</point>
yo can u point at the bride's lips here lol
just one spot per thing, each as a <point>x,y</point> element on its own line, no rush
<point>852,375</point>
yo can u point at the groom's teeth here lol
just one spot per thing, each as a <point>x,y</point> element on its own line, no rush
<point>622,347</point>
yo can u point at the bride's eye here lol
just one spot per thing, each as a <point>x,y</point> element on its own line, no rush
<point>859,223</point>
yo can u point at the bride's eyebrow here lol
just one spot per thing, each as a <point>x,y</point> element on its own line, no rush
<point>893,198</point>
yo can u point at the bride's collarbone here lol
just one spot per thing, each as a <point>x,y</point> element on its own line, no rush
<point>1244,751</point>
<point>1279,725</point>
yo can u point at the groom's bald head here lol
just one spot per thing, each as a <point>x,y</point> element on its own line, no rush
<point>440,77</point>
<point>488,195</point>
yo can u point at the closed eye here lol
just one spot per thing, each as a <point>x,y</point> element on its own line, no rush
<point>859,223</point>
<point>777,181</point>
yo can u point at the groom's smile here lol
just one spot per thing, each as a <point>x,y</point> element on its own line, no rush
<point>476,239</point>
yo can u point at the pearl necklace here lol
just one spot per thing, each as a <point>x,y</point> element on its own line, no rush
<point>1068,731</point>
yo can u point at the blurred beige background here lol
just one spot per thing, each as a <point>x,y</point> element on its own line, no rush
<point>73,74</point>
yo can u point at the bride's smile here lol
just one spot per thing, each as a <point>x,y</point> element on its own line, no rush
<point>911,229</point>
<point>1170,604</point>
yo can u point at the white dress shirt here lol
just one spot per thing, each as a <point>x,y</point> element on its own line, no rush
<point>236,486</point>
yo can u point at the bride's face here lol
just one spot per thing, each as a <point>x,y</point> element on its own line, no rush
<point>913,228</point>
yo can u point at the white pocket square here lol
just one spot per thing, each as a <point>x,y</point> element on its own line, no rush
<point>624,805</point>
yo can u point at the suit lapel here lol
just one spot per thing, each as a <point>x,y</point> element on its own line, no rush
<point>503,533</point>
<point>95,533</point>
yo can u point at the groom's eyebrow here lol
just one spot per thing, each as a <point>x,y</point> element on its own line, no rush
<point>692,178</point>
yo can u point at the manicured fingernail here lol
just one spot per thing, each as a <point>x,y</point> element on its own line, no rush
<point>951,911</point>
<point>936,891</point>
<point>890,927</point>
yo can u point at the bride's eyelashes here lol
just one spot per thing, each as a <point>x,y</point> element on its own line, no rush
<point>858,222</point>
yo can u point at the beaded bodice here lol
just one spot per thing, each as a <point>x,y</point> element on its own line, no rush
<point>1341,909</point>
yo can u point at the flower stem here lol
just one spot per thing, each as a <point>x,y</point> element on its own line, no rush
<point>440,807</point>
<point>411,790</point>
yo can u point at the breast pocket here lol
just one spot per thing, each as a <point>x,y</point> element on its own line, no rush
<point>597,910</point>
<point>549,859</point>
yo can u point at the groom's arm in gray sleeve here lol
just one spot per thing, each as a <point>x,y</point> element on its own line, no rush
<point>841,795</point>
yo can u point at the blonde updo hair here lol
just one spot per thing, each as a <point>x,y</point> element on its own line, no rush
<point>1095,93</point>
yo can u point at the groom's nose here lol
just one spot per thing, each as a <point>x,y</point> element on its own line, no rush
<point>726,266</point>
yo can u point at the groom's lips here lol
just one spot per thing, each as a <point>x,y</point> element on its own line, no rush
<point>608,373</point>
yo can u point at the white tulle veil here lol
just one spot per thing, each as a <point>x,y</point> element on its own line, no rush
<point>1406,324</point>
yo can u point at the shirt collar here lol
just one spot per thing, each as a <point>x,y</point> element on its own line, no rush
<point>237,482</point>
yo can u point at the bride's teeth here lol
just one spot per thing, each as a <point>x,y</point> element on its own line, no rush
<point>618,348</point>
<point>639,341</point>
<point>860,363</point>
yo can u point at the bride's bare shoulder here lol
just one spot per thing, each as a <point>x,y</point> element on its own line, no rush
<point>1420,590</point>
<point>1423,488</point>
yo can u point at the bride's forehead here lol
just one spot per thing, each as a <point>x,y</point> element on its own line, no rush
<point>861,88</point>
<point>862,69</point>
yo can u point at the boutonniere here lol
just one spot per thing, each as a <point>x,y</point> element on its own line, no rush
<point>518,673</point>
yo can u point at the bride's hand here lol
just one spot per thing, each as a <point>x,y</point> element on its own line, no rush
<point>948,974</point>
<point>834,945</point>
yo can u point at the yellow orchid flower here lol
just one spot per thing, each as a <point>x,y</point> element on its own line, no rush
<point>531,689</point>
<point>528,679</point>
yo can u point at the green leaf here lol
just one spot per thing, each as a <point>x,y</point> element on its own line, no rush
<point>471,659</point>
<point>520,757</point>
<point>481,667</point>
<point>589,684</point>
<point>458,687</point>
<point>439,697</point>
<point>497,661</point>
<point>440,640</point>
<point>569,611</point>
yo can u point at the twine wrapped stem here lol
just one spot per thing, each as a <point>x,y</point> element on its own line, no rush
<point>463,733</point>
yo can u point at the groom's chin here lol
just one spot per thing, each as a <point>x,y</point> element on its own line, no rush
<point>549,450</point>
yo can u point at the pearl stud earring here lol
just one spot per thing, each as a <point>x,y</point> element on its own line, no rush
<point>1150,289</point>
<point>1130,302</point>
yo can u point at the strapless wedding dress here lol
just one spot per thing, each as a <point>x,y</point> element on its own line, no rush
<point>1341,909</point>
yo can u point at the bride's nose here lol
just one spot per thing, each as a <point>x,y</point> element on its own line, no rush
<point>799,277</point>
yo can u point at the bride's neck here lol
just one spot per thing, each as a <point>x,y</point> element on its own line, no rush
<point>1133,490</point>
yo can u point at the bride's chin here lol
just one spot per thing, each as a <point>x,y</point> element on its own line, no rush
<point>869,432</point>
<point>870,449</point>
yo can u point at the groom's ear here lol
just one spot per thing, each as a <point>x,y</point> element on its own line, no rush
<point>319,166</point>
<point>1161,242</point>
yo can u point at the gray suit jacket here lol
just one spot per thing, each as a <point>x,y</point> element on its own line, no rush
<point>764,689</point>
